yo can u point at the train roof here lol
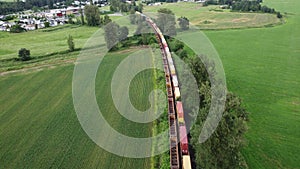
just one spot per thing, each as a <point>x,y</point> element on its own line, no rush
<point>183,136</point>
<point>175,80</point>
<point>179,106</point>
<point>177,92</point>
<point>186,162</point>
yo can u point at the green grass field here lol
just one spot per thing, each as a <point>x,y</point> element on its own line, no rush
<point>209,18</point>
<point>39,127</point>
<point>43,41</point>
<point>262,66</point>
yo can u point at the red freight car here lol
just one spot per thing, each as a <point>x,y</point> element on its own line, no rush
<point>184,141</point>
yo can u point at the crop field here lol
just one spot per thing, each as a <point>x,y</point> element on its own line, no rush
<point>212,17</point>
<point>262,66</point>
<point>38,124</point>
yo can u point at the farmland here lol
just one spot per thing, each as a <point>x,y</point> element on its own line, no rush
<point>212,17</point>
<point>43,41</point>
<point>39,127</point>
<point>262,66</point>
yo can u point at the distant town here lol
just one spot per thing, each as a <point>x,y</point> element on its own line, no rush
<point>31,20</point>
<point>61,14</point>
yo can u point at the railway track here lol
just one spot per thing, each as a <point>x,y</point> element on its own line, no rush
<point>179,153</point>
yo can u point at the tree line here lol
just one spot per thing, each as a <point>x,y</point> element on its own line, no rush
<point>12,7</point>
<point>16,6</point>
<point>244,6</point>
<point>115,35</point>
<point>166,22</point>
<point>122,6</point>
<point>222,149</point>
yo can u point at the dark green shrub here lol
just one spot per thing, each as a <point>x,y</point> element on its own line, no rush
<point>24,54</point>
<point>17,29</point>
<point>47,24</point>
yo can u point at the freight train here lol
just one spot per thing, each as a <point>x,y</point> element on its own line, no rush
<point>175,107</point>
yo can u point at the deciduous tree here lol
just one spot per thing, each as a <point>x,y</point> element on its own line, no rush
<point>106,20</point>
<point>132,16</point>
<point>184,23</point>
<point>123,33</point>
<point>92,15</point>
<point>111,34</point>
<point>81,13</point>
<point>166,22</point>
<point>71,43</point>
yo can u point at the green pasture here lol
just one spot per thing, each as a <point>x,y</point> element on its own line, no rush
<point>43,41</point>
<point>49,41</point>
<point>262,66</point>
<point>39,127</point>
<point>212,17</point>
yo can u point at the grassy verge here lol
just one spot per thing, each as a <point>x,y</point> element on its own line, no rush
<point>155,123</point>
<point>161,161</point>
<point>52,59</point>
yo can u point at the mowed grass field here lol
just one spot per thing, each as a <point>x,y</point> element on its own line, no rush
<point>39,127</point>
<point>262,66</point>
<point>212,18</point>
<point>43,41</point>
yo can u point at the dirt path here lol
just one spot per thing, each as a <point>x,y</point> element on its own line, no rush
<point>34,68</point>
<point>39,67</point>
